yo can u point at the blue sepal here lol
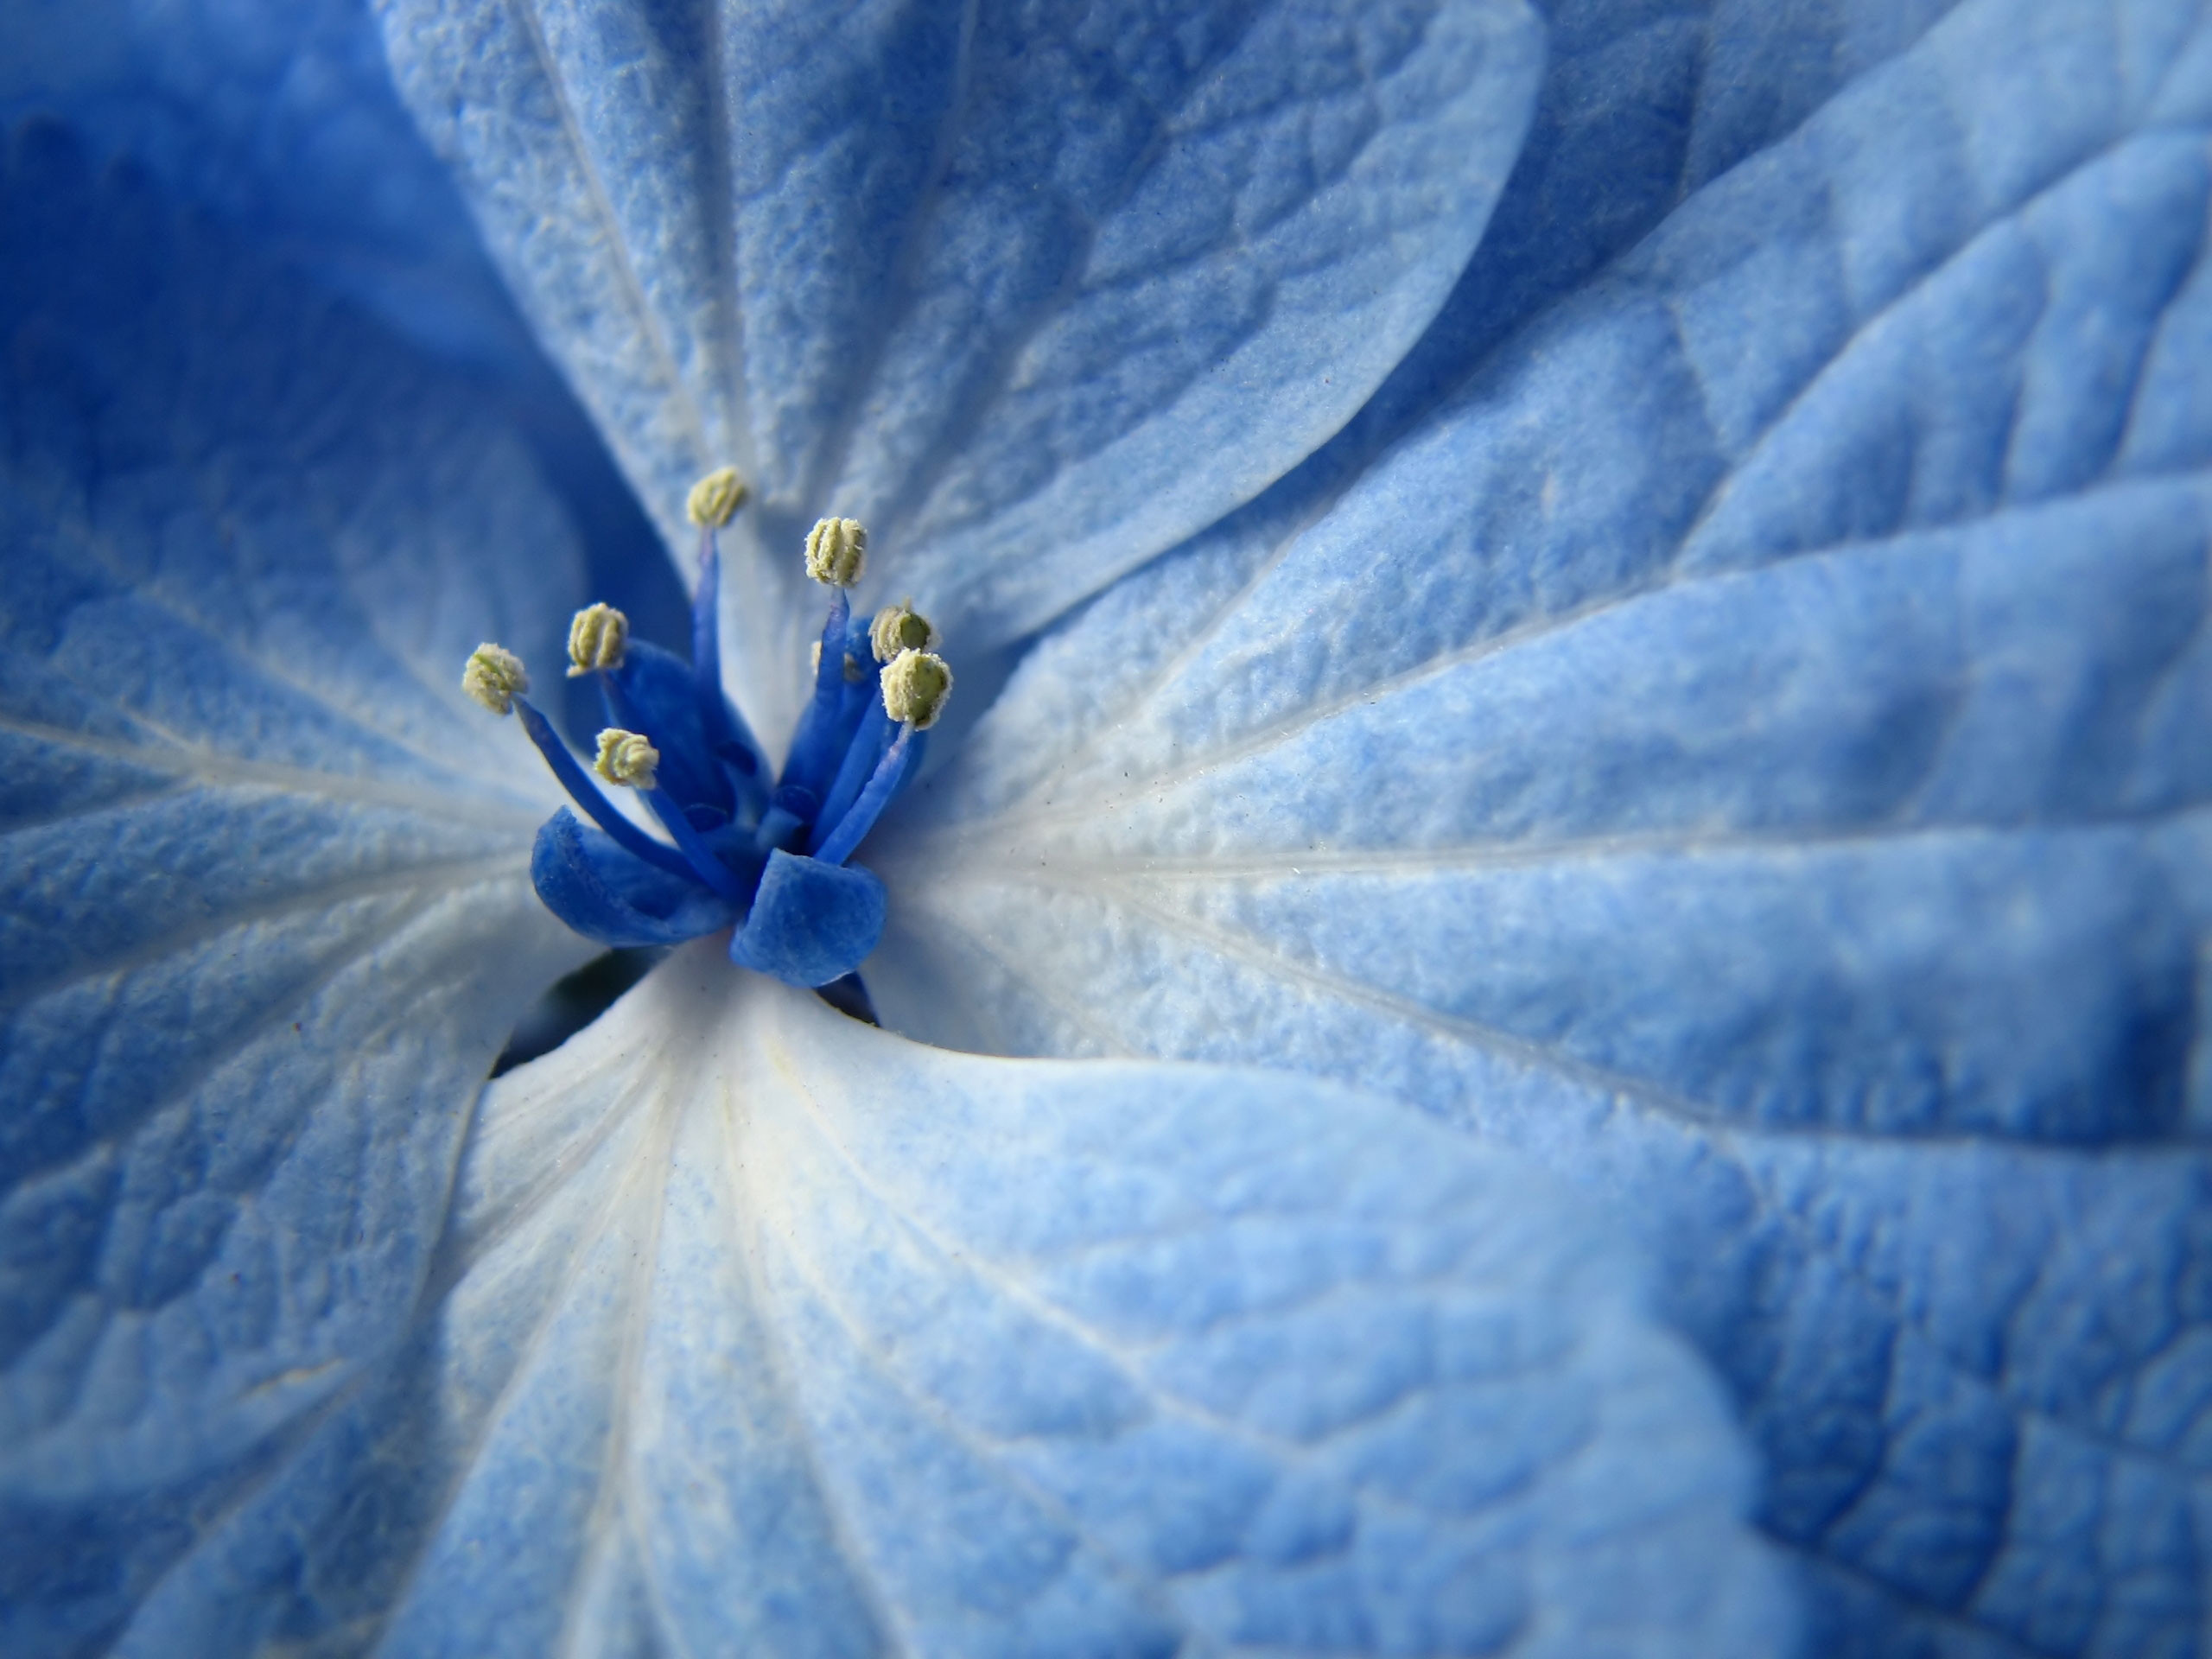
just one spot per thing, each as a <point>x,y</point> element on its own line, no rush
<point>604,893</point>
<point>654,689</point>
<point>812,922</point>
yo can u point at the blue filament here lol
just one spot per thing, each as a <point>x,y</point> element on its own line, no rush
<point>890,774</point>
<point>586,794</point>
<point>730,832</point>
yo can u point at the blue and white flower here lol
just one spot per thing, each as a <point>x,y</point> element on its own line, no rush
<point>1629,581</point>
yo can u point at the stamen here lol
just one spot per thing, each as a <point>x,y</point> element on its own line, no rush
<point>495,676</point>
<point>597,638</point>
<point>726,733</point>
<point>900,628</point>
<point>860,757</point>
<point>916,686</point>
<point>813,753</point>
<point>837,551</point>
<point>714,499</point>
<point>585,794</point>
<point>890,774</point>
<point>627,758</point>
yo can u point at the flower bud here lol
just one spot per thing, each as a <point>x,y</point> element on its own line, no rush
<point>837,551</point>
<point>627,758</point>
<point>714,499</point>
<point>915,688</point>
<point>495,676</point>
<point>597,638</point>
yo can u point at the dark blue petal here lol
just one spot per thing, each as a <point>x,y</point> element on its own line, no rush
<point>604,893</point>
<point>812,922</point>
<point>654,689</point>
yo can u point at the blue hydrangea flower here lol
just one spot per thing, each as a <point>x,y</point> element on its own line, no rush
<point>1629,579</point>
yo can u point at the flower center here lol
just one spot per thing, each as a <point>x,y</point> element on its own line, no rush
<point>768,860</point>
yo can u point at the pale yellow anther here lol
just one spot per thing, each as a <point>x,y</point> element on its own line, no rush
<point>715,499</point>
<point>495,676</point>
<point>916,686</point>
<point>837,551</point>
<point>627,758</point>
<point>854,671</point>
<point>900,628</point>
<point>597,638</point>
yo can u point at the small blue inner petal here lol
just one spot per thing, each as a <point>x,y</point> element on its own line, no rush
<point>810,922</point>
<point>591,883</point>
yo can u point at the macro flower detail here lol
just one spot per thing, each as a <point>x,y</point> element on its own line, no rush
<point>1627,582</point>
<point>772,861</point>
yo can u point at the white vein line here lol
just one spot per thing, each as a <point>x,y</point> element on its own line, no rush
<point>984,1453</point>
<point>613,1514</point>
<point>883,1617</point>
<point>1455,1028</point>
<point>196,761</point>
<point>465,1460</point>
<point>1420,861</point>
<point>1450,1027</point>
<point>316,693</point>
<point>1275,732</point>
<point>602,206</point>
<point>995,1275</point>
<point>450,876</point>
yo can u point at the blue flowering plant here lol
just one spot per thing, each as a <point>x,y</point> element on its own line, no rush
<point>768,864</point>
<point>1544,995</point>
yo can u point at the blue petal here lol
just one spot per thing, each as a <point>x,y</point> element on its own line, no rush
<point>656,688</point>
<point>279,116</point>
<point>583,877</point>
<point>810,922</point>
<point>268,919</point>
<point>758,1330</point>
<point>1749,748</point>
<point>986,280</point>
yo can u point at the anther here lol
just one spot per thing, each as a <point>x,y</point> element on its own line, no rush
<point>495,676</point>
<point>597,638</point>
<point>915,687</point>
<point>714,499</point>
<point>627,758</point>
<point>900,628</point>
<point>837,551</point>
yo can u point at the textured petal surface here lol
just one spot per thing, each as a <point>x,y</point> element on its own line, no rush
<point>985,277</point>
<point>758,1330</point>
<point>1749,747</point>
<point>267,916</point>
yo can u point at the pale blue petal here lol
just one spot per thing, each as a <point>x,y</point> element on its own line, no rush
<point>757,1329</point>
<point>984,278</point>
<point>268,915</point>
<point>1750,749</point>
<point>1641,105</point>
